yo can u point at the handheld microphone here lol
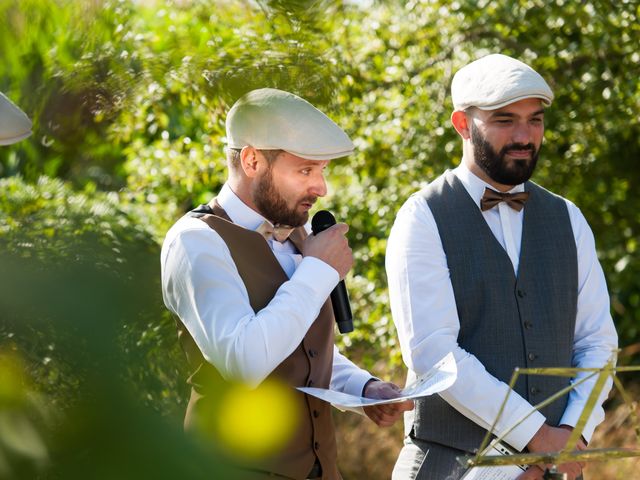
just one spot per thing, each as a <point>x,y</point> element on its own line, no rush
<point>339,298</point>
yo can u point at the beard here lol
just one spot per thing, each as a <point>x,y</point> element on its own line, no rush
<point>273,206</point>
<point>496,166</point>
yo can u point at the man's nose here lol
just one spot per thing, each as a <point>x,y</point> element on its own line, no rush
<point>522,133</point>
<point>319,186</point>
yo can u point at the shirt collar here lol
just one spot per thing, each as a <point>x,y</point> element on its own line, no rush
<point>239,212</point>
<point>474,185</point>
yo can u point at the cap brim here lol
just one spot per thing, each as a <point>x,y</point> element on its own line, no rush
<point>15,139</point>
<point>545,101</point>
<point>323,156</point>
<point>306,156</point>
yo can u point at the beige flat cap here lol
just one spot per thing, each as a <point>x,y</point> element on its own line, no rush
<point>14,124</point>
<point>271,119</point>
<point>495,81</point>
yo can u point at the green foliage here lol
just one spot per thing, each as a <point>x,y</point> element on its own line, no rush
<point>88,354</point>
<point>129,98</point>
<point>49,227</point>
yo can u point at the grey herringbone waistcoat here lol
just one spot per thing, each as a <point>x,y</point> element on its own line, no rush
<point>505,321</point>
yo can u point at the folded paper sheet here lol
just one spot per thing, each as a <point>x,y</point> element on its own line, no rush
<point>439,378</point>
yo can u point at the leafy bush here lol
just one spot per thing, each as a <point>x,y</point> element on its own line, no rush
<point>53,231</point>
<point>129,98</point>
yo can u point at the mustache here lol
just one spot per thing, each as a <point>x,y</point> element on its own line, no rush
<point>310,200</point>
<point>517,146</point>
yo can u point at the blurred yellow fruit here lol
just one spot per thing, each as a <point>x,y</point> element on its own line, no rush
<point>254,423</point>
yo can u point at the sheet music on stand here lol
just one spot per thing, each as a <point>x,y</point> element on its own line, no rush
<point>507,472</point>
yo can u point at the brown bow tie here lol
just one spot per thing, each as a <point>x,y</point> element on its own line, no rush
<point>277,232</point>
<point>491,198</point>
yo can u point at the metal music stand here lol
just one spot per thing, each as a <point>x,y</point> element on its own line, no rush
<point>567,454</point>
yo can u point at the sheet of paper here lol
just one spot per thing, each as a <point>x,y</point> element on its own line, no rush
<point>439,378</point>
<point>508,472</point>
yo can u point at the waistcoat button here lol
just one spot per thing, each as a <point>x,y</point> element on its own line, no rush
<point>532,356</point>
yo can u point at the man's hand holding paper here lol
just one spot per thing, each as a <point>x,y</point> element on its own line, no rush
<point>386,414</point>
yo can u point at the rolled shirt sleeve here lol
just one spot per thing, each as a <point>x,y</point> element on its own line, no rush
<point>201,285</point>
<point>347,377</point>
<point>595,339</point>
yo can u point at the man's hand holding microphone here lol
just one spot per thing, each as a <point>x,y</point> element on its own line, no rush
<point>329,244</point>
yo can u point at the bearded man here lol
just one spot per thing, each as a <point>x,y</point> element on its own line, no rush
<point>503,273</point>
<point>251,287</point>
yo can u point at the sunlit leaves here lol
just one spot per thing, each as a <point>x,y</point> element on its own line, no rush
<point>132,100</point>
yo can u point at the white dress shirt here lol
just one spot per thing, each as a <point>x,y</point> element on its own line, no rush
<point>200,284</point>
<point>424,311</point>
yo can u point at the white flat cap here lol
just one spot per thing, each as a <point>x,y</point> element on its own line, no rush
<point>496,80</point>
<point>271,119</point>
<point>14,124</point>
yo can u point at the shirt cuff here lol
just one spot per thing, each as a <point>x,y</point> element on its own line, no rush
<point>521,435</point>
<point>372,379</point>
<point>356,382</point>
<point>318,276</point>
<point>572,415</point>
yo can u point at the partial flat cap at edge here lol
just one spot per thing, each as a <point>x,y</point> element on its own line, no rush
<point>495,81</point>
<point>14,123</point>
<point>272,119</point>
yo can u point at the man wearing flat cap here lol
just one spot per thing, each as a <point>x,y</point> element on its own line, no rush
<point>487,264</point>
<point>14,124</point>
<point>251,286</point>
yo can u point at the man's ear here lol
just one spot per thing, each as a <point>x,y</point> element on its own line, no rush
<point>462,123</point>
<point>249,161</point>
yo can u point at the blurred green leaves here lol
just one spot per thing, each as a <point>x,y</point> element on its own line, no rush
<point>85,334</point>
<point>128,101</point>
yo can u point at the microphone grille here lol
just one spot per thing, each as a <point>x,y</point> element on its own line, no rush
<point>322,220</point>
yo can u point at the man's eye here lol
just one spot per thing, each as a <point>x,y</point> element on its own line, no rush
<point>306,171</point>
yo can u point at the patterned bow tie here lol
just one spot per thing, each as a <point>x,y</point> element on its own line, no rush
<point>279,233</point>
<point>491,198</point>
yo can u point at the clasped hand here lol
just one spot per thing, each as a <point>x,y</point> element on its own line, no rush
<point>553,439</point>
